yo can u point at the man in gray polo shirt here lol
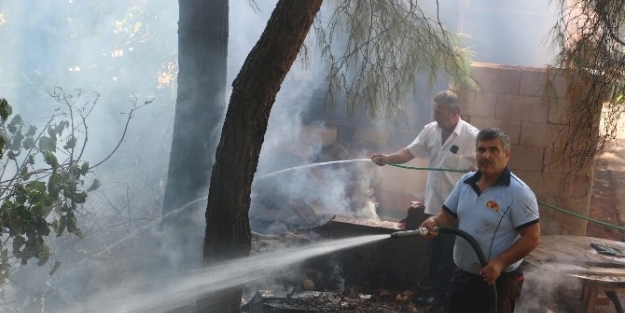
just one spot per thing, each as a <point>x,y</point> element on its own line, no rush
<point>501,213</point>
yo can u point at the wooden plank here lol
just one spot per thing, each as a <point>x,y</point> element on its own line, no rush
<point>573,255</point>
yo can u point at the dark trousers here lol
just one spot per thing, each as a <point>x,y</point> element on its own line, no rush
<point>441,262</point>
<point>468,293</point>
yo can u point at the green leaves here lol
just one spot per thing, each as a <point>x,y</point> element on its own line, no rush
<point>31,131</point>
<point>71,143</point>
<point>80,197</point>
<point>84,169</point>
<point>66,222</point>
<point>57,130</point>
<point>3,141</point>
<point>50,159</point>
<point>54,184</point>
<point>5,109</point>
<point>18,243</point>
<point>15,122</point>
<point>47,144</point>
<point>37,195</point>
<point>28,143</point>
<point>37,186</point>
<point>46,187</point>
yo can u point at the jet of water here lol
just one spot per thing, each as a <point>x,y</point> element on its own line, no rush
<point>309,166</point>
<point>217,277</point>
<point>191,203</point>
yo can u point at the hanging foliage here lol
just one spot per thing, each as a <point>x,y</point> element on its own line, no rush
<point>589,45</point>
<point>375,48</point>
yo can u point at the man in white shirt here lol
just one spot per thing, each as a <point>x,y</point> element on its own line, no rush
<point>449,143</point>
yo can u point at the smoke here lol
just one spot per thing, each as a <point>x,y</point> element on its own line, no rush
<point>545,291</point>
<point>505,32</point>
<point>124,52</point>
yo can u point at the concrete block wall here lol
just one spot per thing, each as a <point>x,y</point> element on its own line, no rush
<point>531,105</point>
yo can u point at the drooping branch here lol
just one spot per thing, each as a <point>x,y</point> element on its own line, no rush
<point>588,45</point>
<point>375,48</point>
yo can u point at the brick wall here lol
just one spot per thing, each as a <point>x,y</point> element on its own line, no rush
<point>516,100</point>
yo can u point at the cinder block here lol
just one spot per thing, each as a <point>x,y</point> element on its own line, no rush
<point>371,135</point>
<point>534,179</point>
<point>576,187</point>
<point>519,108</point>
<point>535,83</point>
<point>555,222</point>
<point>511,128</point>
<point>408,181</point>
<point>559,83</point>
<point>558,111</point>
<point>559,161</point>
<point>526,158</point>
<point>542,134</point>
<point>569,185</point>
<point>477,103</point>
<point>497,78</point>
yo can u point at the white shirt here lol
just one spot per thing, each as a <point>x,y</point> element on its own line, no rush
<point>429,144</point>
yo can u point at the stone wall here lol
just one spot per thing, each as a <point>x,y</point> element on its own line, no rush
<point>531,106</point>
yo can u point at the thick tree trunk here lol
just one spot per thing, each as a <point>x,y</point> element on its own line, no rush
<point>254,91</point>
<point>200,106</point>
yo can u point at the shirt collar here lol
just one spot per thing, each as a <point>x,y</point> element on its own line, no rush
<point>504,178</point>
<point>457,130</point>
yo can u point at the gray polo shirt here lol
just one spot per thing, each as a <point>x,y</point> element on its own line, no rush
<point>492,218</point>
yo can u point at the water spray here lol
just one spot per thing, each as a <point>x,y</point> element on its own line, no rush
<point>215,277</point>
<point>422,232</point>
<point>256,179</point>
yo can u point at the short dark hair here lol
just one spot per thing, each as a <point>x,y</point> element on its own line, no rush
<point>494,133</point>
<point>449,98</point>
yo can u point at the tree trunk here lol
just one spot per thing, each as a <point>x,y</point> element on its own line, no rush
<point>200,106</point>
<point>254,91</point>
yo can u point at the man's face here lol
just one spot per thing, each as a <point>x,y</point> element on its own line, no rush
<point>445,117</point>
<point>491,157</point>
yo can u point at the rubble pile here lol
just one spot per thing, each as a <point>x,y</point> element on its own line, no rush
<point>373,278</point>
<point>348,301</point>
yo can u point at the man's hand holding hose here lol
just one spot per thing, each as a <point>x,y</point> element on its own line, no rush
<point>379,159</point>
<point>400,156</point>
<point>429,224</point>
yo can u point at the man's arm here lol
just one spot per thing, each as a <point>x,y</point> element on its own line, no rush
<point>399,156</point>
<point>530,238</point>
<point>443,218</point>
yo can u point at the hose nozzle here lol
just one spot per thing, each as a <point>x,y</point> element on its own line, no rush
<point>422,231</point>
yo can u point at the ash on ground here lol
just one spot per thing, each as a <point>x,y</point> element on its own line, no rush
<point>318,285</point>
<point>349,300</point>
